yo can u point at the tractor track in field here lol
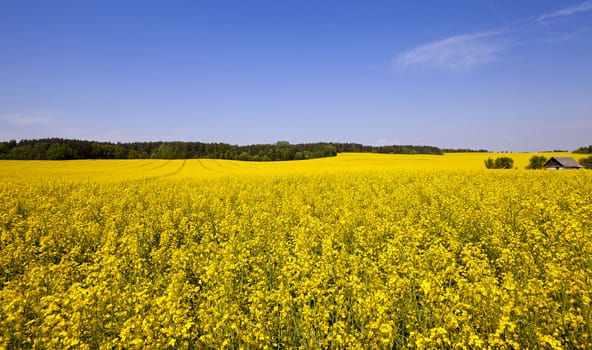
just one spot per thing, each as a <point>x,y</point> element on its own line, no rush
<point>168,174</point>
<point>208,168</point>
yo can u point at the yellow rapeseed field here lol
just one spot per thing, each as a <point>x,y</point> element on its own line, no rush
<point>356,251</point>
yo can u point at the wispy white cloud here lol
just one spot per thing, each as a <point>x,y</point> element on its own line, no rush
<point>21,120</point>
<point>460,53</point>
<point>466,52</point>
<point>568,11</point>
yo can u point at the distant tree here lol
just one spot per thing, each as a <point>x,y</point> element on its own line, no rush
<point>584,150</point>
<point>168,150</point>
<point>282,144</point>
<point>122,153</point>
<point>329,151</point>
<point>586,162</point>
<point>244,156</point>
<point>499,163</point>
<point>39,151</point>
<point>537,162</point>
<point>133,154</point>
<point>3,150</point>
<point>59,151</point>
<point>21,152</point>
<point>281,150</point>
<point>504,163</point>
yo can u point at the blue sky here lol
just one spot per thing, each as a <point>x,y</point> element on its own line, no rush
<point>496,74</point>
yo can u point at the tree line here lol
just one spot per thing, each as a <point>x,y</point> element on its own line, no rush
<point>584,150</point>
<point>66,149</point>
<point>587,161</point>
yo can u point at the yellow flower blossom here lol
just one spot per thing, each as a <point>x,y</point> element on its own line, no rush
<point>357,251</point>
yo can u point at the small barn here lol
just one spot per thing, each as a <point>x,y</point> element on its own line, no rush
<point>558,163</point>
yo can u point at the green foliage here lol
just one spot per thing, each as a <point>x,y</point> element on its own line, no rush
<point>504,163</point>
<point>3,150</point>
<point>586,162</point>
<point>499,163</point>
<point>537,162</point>
<point>281,150</point>
<point>58,151</point>
<point>244,156</point>
<point>298,156</point>
<point>133,154</point>
<point>329,151</point>
<point>584,150</point>
<point>169,151</point>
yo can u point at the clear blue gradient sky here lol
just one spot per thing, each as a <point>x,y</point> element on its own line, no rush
<point>496,74</point>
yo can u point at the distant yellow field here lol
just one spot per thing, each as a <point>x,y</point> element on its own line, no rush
<point>117,170</point>
<point>359,251</point>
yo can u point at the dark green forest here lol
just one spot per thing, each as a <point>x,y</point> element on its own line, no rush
<point>65,149</point>
<point>584,150</point>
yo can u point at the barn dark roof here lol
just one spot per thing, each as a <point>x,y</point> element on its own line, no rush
<point>564,162</point>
